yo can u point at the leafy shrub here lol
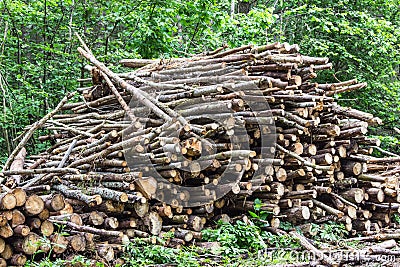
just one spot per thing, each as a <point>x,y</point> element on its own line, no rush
<point>330,231</point>
<point>235,238</point>
<point>389,143</point>
<point>139,253</point>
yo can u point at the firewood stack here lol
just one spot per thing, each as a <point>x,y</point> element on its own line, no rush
<point>148,151</point>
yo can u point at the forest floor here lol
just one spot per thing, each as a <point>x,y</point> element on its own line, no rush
<point>235,244</point>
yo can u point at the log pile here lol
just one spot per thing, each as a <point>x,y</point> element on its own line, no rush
<point>175,145</point>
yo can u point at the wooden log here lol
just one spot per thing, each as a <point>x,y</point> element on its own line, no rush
<point>44,214</point>
<point>47,228</point>
<point>184,234</point>
<point>354,195</point>
<point>109,194</point>
<point>4,218</point>
<point>18,218</point>
<point>74,218</point>
<point>307,245</point>
<point>7,201</point>
<point>111,223</point>
<point>77,242</point>
<point>33,223</point>
<point>297,214</point>
<point>375,195</point>
<point>59,243</point>
<point>37,188</point>
<point>88,229</point>
<point>21,230</point>
<point>7,253</point>
<point>351,167</point>
<point>352,212</point>
<point>2,245</point>
<point>18,259</point>
<point>54,202</point>
<point>106,252</point>
<point>94,218</point>
<point>329,209</point>
<point>77,194</point>
<point>361,225</point>
<point>28,245</point>
<point>196,223</point>
<point>303,194</point>
<point>6,231</point>
<point>323,159</point>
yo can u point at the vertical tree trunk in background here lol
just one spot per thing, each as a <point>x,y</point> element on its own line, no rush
<point>244,7</point>
<point>232,7</point>
<point>5,130</point>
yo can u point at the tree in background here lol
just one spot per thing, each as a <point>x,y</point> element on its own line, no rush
<point>39,62</point>
<point>362,40</point>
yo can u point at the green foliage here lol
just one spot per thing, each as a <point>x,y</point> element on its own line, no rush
<point>240,245</point>
<point>139,253</point>
<point>235,238</point>
<point>280,241</point>
<point>360,38</point>
<point>239,239</point>
<point>259,216</point>
<point>286,226</point>
<point>83,262</point>
<point>280,256</point>
<point>330,231</point>
<point>241,29</point>
<point>396,218</point>
<point>389,143</point>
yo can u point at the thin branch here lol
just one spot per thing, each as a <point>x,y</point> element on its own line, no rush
<point>4,38</point>
<point>305,162</point>
<point>159,109</point>
<point>34,127</point>
<point>385,152</point>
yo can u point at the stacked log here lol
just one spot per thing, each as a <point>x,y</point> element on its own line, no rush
<point>175,145</point>
<point>25,225</point>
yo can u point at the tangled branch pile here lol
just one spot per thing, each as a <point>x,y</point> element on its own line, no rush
<point>178,144</point>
